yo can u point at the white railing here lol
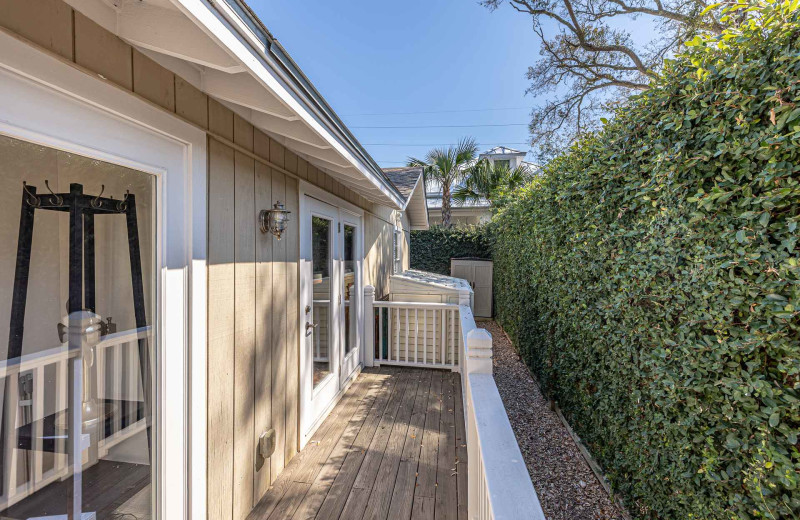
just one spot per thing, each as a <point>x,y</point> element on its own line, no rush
<point>498,480</point>
<point>117,378</point>
<point>444,335</point>
<point>412,333</point>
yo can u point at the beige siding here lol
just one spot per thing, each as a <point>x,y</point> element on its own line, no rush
<point>260,347</point>
<point>190,103</point>
<point>278,331</point>
<point>263,359</point>
<point>102,52</point>
<point>221,333</point>
<point>153,82</point>
<point>292,240</point>
<point>51,27</point>
<point>244,343</point>
<point>253,279</point>
<point>377,253</point>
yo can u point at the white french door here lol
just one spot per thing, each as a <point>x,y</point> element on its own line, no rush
<point>331,308</point>
<point>320,311</point>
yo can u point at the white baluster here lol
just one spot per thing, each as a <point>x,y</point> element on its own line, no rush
<point>425,336</point>
<point>443,359</point>
<point>406,359</point>
<point>416,334</point>
<point>38,425</point>
<point>433,336</point>
<point>380,333</point>
<point>397,338</point>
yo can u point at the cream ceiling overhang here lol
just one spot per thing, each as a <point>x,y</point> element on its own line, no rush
<point>221,49</point>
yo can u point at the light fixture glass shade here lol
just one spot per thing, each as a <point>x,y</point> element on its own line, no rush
<point>274,220</point>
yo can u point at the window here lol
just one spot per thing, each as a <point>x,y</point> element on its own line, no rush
<point>322,255</point>
<point>81,265</point>
<point>502,163</point>
<point>350,286</point>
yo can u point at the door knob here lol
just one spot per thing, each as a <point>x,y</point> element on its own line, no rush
<point>310,326</point>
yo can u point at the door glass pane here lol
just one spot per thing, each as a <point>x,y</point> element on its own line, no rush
<point>322,286</point>
<point>350,285</point>
<point>77,275</point>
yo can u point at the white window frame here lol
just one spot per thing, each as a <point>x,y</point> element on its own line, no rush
<point>53,103</point>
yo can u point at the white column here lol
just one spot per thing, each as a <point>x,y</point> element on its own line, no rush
<point>479,352</point>
<point>369,326</point>
<point>465,298</point>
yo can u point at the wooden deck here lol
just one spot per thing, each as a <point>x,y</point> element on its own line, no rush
<point>393,448</point>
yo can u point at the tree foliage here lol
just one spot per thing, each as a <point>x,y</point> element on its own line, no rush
<point>446,167</point>
<point>432,249</point>
<point>590,60</point>
<point>484,179</point>
<point>651,279</point>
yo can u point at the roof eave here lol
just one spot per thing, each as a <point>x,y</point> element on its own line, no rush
<point>273,66</point>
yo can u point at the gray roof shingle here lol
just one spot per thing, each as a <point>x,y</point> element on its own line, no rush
<point>404,179</point>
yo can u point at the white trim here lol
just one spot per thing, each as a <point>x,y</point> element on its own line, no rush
<point>57,105</point>
<point>306,188</point>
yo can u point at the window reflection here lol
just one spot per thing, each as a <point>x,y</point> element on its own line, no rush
<point>349,287</point>
<point>321,313</point>
<point>75,373</point>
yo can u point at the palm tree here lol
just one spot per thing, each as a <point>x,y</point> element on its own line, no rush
<point>484,179</point>
<point>446,167</point>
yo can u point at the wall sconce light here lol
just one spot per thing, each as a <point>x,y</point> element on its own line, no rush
<point>274,220</point>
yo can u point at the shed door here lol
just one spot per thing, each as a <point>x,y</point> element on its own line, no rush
<point>482,285</point>
<point>479,275</point>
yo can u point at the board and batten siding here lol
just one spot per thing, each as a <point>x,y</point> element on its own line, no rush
<point>253,350</point>
<point>253,279</point>
<point>379,226</point>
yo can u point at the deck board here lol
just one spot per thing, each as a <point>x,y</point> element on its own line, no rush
<point>446,507</point>
<point>377,454</point>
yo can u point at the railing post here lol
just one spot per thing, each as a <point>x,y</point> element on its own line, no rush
<point>479,352</point>
<point>369,326</point>
<point>465,297</point>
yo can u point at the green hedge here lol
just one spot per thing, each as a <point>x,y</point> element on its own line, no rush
<point>651,280</point>
<point>431,250</point>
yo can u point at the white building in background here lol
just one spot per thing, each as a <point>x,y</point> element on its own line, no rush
<point>473,212</point>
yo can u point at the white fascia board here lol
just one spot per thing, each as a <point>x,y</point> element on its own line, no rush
<point>415,194</point>
<point>419,193</point>
<point>264,68</point>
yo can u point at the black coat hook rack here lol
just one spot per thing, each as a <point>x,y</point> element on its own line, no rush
<point>82,210</point>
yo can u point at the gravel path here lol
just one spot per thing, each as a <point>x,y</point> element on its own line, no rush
<point>567,487</point>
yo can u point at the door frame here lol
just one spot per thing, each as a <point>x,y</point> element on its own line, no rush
<point>309,425</point>
<point>348,363</point>
<point>50,95</point>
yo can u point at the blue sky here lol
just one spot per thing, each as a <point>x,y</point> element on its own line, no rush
<point>379,57</point>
